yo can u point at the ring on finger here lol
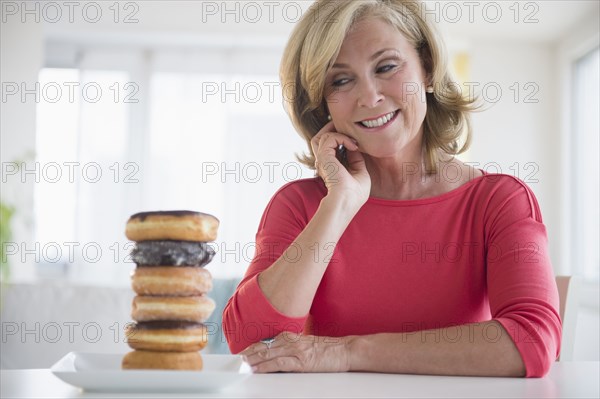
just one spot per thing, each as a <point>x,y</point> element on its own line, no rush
<point>268,342</point>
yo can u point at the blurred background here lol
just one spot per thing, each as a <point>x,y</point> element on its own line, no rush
<point>112,108</point>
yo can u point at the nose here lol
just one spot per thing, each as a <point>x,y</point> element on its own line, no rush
<point>369,94</point>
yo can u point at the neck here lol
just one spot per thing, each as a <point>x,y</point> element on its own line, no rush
<point>402,177</point>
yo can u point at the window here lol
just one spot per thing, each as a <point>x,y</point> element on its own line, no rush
<point>585,166</point>
<point>170,130</point>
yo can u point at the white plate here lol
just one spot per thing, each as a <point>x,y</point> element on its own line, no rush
<point>103,373</point>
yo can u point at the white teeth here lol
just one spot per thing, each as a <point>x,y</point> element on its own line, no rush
<point>379,121</point>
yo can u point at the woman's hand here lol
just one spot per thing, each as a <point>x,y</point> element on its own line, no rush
<point>293,352</point>
<point>353,183</point>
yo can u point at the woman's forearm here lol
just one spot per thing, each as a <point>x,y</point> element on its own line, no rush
<point>291,282</point>
<point>478,349</point>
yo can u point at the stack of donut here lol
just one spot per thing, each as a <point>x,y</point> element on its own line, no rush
<point>171,286</point>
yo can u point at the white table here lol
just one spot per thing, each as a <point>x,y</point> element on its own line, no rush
<point>565,380</point>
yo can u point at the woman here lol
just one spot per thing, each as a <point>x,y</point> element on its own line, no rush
<point>398,257</point>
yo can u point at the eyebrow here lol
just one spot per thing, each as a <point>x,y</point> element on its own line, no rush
<point>374,56</point>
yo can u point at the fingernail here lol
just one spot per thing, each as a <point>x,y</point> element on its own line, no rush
<point>254,368</point>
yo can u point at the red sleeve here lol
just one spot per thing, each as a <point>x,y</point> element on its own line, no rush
<point>249,316</point>
<point>521,285</point>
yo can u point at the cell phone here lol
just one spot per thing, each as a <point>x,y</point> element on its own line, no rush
<point>341,155</point>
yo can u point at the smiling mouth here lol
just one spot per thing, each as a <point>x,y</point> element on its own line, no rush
<point>380,121</point>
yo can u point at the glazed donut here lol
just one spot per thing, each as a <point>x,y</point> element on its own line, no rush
<point>185,308</point>
<point>167,336</point>
<point>172,225</point>
<point>162,360</point>
<point>179,281</point>
<point>172,253</point>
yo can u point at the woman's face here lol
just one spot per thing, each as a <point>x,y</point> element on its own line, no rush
<point>375,90</point>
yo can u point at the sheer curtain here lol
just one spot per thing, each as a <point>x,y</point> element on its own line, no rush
<point>200,129</point>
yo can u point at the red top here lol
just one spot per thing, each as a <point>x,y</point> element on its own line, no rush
<point>473,254</point>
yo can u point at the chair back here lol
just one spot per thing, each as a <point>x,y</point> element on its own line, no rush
<point>568,292</point>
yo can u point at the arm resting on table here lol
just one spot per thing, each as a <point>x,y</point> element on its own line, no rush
<point>479,349</point>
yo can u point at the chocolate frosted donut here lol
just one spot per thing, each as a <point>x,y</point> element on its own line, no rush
<point>172,225</point>
<point>167,336</point>
<point>172,253</point>
<point>140,359</point>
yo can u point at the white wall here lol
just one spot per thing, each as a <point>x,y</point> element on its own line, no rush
<point>513,130</point>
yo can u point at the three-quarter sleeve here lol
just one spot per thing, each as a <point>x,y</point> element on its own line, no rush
<point>521,286</point>
<point>249,316</point>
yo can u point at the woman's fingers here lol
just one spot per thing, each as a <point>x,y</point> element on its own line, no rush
<point>327,138</point>
<point>338,179</point>
<point>259,350</point>
<point>285,364</point>
<point>298,353</point>
<point>326,143</point>
<point>282,355</point>
<point>325,148</point>
<point>280,340</point>
<point>265,355</point>
<point>279,355</point>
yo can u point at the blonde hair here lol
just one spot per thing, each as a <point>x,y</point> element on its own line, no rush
<point>315,43</point>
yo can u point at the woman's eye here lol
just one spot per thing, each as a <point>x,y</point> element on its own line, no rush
<point>386,68</point>
<point>340,82</point>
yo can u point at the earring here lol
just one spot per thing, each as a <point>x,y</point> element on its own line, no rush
<point>429,89</point>
<point>328,117</point>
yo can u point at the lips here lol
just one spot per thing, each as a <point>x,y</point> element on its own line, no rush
<point>379,121</point>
